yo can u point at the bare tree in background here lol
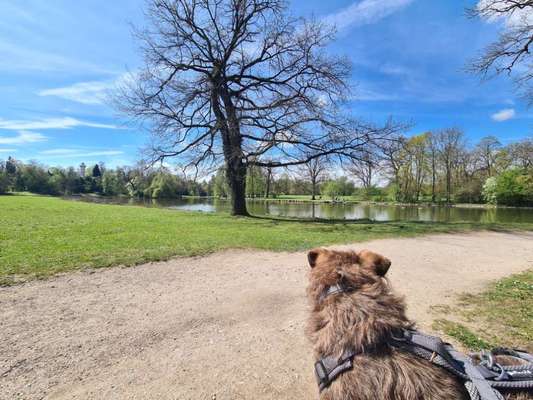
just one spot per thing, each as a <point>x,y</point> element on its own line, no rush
<point>450,144</point>
<point>315,170</point>
<point>365,167</point>
<point>239,80</point>
<point>511,53</point>
<point>433,161</point>
<point>485,153</point>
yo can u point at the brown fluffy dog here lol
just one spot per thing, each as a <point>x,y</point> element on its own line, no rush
<point>364,319</point>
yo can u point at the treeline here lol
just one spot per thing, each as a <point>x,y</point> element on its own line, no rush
<point>436,167</point>
<point>137,181</point>
<point>440,167</point>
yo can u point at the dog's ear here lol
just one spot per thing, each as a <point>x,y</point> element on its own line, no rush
<point>312,257</point>
<point>376,262</point>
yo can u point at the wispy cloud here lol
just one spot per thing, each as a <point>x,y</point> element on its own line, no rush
<point>83,92</point>
<point>79,153</point>
<point>51,123</point>
<point>365,94</point>
<point>23,137</point>
<point>8,150</point>
<point>364,12</point>
<point>16,58</point>
<point>503,115</point>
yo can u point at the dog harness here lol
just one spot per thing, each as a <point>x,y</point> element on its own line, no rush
<point>484,381</point>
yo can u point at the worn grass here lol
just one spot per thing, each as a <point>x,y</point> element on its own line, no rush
<point>41,236</point>
<point>500,316</point>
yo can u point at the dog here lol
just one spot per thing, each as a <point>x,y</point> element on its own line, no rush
<point>364,319</point>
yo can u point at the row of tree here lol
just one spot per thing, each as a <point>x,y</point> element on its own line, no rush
<point>430,167</point>
<point>435,167</point>
<point>136,181</point>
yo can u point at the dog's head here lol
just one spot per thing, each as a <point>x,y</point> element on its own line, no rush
<point>354,269</point>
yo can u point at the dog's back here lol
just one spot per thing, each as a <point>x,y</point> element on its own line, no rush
<point>363,320</point>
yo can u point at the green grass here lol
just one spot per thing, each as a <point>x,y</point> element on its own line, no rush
<point>502,315</point>
<point>462,334</point>
<point>41,236</point>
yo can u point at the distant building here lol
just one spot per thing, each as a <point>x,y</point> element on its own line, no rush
<point>82,169</point>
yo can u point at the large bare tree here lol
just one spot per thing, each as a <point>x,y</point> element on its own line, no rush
<point>241,81</point>
<point>511,52</point>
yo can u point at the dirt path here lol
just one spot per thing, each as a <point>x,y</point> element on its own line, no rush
<point>226,326</point>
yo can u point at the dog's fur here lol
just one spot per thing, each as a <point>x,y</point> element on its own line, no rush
<point>364,319</point>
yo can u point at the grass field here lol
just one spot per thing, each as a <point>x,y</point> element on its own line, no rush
<point>40,236</point>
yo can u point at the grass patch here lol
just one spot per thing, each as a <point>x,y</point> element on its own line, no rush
<point>462,334</point>
<point>41,236</point>
<point>502,315</point>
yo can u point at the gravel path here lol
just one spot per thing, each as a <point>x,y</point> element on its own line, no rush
<point>226,326</point>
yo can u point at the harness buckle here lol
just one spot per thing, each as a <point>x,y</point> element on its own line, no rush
<point>322,374</point>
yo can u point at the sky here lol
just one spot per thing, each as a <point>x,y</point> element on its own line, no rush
<point>60,58</point>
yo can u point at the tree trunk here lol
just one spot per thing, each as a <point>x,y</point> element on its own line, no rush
<point>236,177</point>
<point>448,184</point>
<point>232,147</point>
<point>433,178</point>
<point>313,188</point>
<point>269,176</point>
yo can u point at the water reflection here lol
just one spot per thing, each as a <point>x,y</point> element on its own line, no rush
<point>337,211</point>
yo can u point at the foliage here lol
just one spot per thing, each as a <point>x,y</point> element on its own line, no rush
<point>112,185</point>
<point>513,187</point>
<point>165,186</point>
<point>41,235</point>
<point>337,188</point>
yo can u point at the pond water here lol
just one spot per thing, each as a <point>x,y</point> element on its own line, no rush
<point>346,211</point>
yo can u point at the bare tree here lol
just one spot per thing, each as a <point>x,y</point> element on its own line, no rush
<point>242,81</point>
<point>433,157</point>
<point>450,143</point>
<point>511,52</point>
<point>521,153</point>
<point>365,167</point>
<point>393,153</point>
<point>486,152</point>
<point>315,170</point>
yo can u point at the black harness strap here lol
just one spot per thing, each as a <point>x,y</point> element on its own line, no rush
<point>328,368</point>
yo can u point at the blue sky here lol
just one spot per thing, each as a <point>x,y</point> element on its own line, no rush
<point>60,57</point>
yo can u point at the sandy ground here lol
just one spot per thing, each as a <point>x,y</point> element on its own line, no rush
<point>226,326</point>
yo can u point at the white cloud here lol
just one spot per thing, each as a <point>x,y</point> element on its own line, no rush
<point>83,92</point>
<point>23,137</point>
<point>372,95</point>
<point>503,115</point>
<point>79,153</point>
<point>50,123</point>
<point>8,150</point>
<point>364,12</point>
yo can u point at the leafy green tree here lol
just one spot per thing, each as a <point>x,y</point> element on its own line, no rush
<point>4,179</point>
<point>513,187</point>
<point>112,185</point>
<point>220,184</point>
<point>338,187</point>
<point>163,185</point>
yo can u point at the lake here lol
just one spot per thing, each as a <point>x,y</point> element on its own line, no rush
<point>348,211</point>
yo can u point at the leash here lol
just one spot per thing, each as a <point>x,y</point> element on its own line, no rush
<point>483,381</point>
